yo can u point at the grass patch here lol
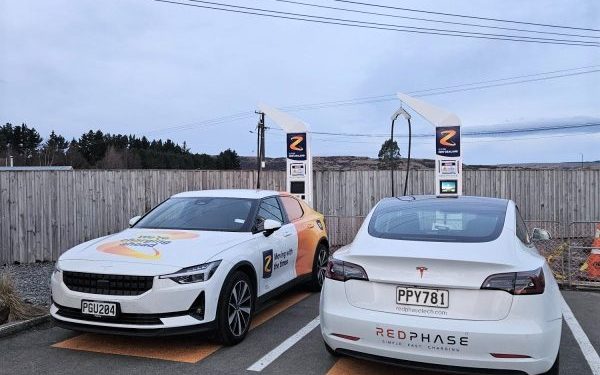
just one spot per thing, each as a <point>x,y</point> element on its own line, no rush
<point>18,309</point>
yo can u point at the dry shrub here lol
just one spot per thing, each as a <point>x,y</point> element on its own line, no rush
<point>19,310</point>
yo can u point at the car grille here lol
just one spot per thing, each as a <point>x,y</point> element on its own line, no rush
<point>114,285</point>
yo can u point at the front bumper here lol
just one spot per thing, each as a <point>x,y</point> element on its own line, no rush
<point>168,308</point>
<point>146,331</point>
<point>425,342</point>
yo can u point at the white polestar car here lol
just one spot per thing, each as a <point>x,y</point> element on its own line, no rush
<point>200,261</point>
<point>442,283</point>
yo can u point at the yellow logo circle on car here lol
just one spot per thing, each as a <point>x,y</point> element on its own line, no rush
<point>144,246</point>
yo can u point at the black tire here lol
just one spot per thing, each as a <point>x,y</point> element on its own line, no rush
<point>235,309</point>
<point>555,369</point>
<point>318,273</point>
<point>330,350</point>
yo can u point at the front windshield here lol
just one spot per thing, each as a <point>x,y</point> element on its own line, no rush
<point>201,213</point>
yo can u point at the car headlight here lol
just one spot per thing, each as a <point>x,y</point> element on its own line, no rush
<point>194,274</point>
<point>57,269</point>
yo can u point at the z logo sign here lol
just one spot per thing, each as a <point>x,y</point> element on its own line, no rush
<point>447,136</point>
<point>295,144</point>
<point>447,141</point>
<point>267,263</point>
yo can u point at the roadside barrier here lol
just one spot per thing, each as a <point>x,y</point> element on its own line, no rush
<point>584,254</point>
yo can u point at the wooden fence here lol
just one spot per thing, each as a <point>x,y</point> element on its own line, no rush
<point>44,213</point>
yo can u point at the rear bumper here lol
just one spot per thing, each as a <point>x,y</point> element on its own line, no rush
<point>434,342</point>
<point>425,366</point>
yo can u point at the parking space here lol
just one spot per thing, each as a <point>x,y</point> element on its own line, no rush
<point>283,332</point>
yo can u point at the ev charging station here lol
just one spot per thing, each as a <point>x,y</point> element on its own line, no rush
<point>299,166</point>
<point>448,156</point>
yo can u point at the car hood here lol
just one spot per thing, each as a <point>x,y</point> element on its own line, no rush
<point>149,251</point>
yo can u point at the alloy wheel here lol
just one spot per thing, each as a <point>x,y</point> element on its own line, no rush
<point>239,309</point>
<point>322,259</point>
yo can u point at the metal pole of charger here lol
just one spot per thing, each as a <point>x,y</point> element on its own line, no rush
<point>408,160</point>
<point>392,155</point>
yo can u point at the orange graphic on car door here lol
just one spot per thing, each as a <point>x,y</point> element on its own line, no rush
<point>310,229</point>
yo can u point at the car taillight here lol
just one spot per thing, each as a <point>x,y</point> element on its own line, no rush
<point>517,283</point>
<point>343,271</point>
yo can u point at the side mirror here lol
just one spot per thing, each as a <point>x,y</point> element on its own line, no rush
<point>269,226</point>
<point>134,220</point>
<point>540,234</point>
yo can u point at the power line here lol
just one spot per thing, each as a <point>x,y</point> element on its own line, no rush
<point>374,25</point>
<point>509,78</point>
<point>423,29</point>
<point>392,97</point>
<point>465,16</point>
<point>206,123</point>
<point>368,99</point>
<point>508,83</point>
<point>472,141</point>
<point>433,20</point>
<point>469,133</point>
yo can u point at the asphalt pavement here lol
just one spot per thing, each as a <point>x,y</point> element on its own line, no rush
<point>49,349</point>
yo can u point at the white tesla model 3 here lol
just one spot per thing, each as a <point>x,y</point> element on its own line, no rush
<point>444,283</point>
<point>200,261</point>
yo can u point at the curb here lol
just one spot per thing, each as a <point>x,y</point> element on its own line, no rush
<point>15,327</point>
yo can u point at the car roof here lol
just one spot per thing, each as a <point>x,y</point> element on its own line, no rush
<point>461,198</point>
<point>228,193</point>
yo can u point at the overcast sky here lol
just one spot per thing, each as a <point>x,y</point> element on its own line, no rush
<point>157,69</point>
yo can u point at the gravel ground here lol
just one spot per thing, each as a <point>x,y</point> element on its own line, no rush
<point>32,281</point>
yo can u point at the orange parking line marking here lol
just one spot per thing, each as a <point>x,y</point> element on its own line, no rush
<point>179,349</point>
<point>182,349</point>
<point>353,366</point>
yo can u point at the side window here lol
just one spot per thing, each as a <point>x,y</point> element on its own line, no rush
<point>292,208</point>
<point>521,229</point>
<point>269,209</point>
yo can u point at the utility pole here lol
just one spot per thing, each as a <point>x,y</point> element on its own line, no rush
<point>260,145</point>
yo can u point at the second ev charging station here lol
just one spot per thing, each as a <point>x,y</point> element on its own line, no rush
<point>299,176</point>
<point>448,157</point>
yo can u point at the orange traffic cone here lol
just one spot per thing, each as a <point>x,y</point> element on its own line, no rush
<point>594,258</point>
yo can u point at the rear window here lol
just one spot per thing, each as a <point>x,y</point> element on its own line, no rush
<point>439,220</point>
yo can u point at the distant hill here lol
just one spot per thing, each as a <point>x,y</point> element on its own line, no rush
<point>362,163</point>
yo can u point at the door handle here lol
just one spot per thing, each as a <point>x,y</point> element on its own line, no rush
<point>287,234</point>
<point>310,225</point>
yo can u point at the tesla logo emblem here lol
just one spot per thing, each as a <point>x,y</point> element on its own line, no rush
<point>447,136</point>
<point>295,144</point>
<point>421,269</point>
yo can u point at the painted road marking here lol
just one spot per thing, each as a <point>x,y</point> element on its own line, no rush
<point>178,349</point>
<point>590,354</point>
<point>278,307</point>
<point>268,358</point>
<point>353,366</point>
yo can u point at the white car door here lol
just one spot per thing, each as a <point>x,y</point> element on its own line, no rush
<point>278,250</point>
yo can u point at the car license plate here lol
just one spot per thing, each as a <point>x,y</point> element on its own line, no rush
<point>422,297</point>
<point>99,308</point>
